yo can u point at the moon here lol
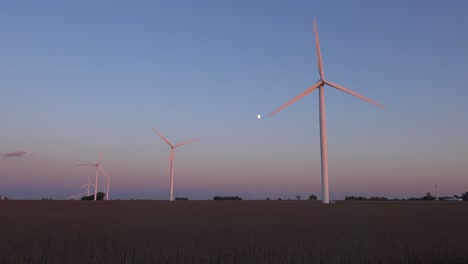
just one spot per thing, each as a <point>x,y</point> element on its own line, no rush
<point>259,116</point>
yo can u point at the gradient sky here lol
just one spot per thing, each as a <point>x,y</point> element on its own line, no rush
<point>78,76</point>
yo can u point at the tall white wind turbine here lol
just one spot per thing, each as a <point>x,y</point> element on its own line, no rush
<point>98,168</point>
<point>171,160</point>
<point>323,130</point>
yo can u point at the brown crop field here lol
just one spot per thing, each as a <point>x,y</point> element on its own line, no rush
<point>232,232</point>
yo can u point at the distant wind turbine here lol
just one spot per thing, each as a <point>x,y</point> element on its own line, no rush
<point>106,187</point>
<point>171,160</point>
<point>98,168</point>
<point>323,130</point>
<point>88,184</point>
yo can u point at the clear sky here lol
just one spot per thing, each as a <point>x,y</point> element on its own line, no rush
<point>80,76</point>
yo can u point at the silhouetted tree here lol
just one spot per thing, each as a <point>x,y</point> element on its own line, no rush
<point>312,197</point>
<point>298,197</point>
<point>443,198</point>
<point>378,199</point>
<point>355,198</point>
<point>100,197</point>
<point>428,197</point>
<point>224,198</point>
<point>465,196</point>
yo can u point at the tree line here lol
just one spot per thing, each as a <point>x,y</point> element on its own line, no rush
<point>427,197</point>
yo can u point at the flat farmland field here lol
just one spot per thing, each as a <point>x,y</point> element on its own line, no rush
<point>232,232</point>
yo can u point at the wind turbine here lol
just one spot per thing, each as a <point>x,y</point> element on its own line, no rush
<point>323,130</point>
<point>171,160</point>
<point>106,189</point>
<point>88,184</point>
<point>98,168</point>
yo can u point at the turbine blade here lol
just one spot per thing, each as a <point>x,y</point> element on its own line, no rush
<point>304,93</point>
<point>112,169</point>
<point>84,186</point>
<point>102,170</point>
<point>85,165</point>
<point>346,90</point>
<point>159,134</point>
<point>186,142</point>
<point>100,157</point>
<point>319,52</point>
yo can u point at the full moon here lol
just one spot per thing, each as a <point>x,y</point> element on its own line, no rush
<point>259,116</point>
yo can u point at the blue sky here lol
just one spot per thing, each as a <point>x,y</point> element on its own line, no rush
<point>76,77</point>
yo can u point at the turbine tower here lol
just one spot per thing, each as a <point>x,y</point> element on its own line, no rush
<point>323,130</point>
<point>171,160</point>
<point>98,168</point>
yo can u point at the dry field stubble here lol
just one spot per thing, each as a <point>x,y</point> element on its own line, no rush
<point>232,232</point>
